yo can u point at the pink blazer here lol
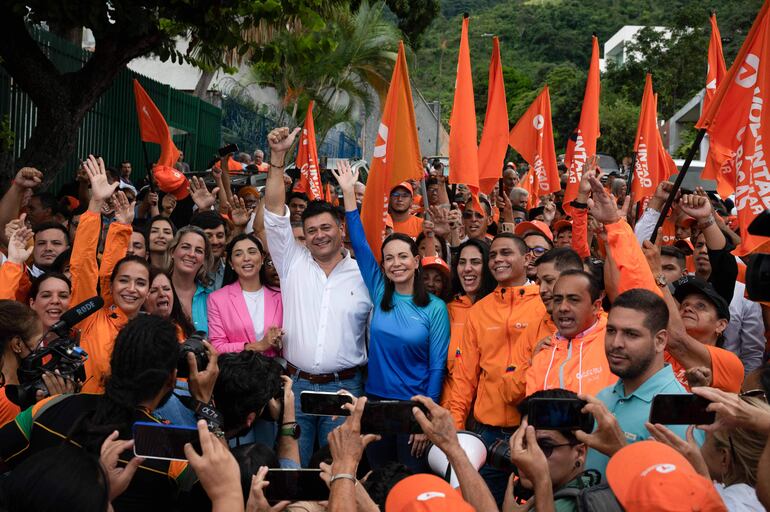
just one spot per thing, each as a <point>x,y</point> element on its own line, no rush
<point>230,326</point>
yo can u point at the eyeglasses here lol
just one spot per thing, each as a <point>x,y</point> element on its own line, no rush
<point>548,447</point>
<point>400,195</point>
<point>537,251</point>
<point>470,214</point>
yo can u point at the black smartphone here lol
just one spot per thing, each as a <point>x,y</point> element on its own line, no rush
<point>559,414</point>
<point>227,150</point>
<point>683,409</point>
<point>166,442</point>
<point>295,485</point>
<point>318,403</point>
<point>391,417</point>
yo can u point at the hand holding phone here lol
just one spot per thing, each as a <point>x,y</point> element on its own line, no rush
<point>164,442</point>
<point>319,403</point>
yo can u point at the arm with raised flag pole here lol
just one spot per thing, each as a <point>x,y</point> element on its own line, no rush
<point>281,140</point>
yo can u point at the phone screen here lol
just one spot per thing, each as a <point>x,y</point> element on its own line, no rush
<point>295,485</point>
<point>390,417</point>
<point>160,441</point>
<point>324,404</point>
<point>559,414</point>
<point>229,149</point>
<point>684,409</point>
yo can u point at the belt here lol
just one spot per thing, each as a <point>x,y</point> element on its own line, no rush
<point>321,378</point>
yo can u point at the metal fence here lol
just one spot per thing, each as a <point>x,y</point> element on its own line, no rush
<point>110,128</point>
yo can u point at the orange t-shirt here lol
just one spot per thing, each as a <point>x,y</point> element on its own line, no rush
<point>726,370</point>
<point>8,409</point>
<point>412,226</point>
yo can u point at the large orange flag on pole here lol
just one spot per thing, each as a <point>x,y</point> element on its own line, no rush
<point>396,152</point>
<point>588,127</point>
<point>714,76</point>
<point>463,149</point>
<point>153,126</point>
<point>307,159</point>
<point>653,164</point>
<point>494,137</point>
<point>738,124</point>
<point>532,137</point>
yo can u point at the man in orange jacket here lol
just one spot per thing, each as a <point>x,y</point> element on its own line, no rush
<point>575,359</point>
<point>494,328</point>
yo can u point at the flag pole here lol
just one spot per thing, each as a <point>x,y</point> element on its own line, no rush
<point>678,183</point>
<point>630,178</point>
<point>148,167</point>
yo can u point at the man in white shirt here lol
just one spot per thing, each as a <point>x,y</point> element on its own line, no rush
<point>326,305</point>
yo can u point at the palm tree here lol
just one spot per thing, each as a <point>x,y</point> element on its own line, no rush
<point>343,80</point>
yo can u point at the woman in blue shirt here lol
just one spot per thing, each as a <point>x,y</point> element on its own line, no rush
<point>409,331</point>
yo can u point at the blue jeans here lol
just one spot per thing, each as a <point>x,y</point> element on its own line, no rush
<point>314,429</point>
<point>496,479</point>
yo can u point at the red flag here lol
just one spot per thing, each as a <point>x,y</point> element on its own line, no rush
<point>532,137</point>
<point>588,127</point>
<point>738,124</point>
<point>463,150</point>
<point>153,127</point>
<point>494,137</point>
<point>653,163</point>
<point>528,182</point>
<point>307,159</point>
<point>396,153</point>
<point>714,76</point>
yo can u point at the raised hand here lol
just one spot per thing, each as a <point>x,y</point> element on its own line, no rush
<point>527,455</point>
<point>118,477</point>
<point>257,501</point>
<point>440,428</point>
<point>689,448</point>
<point>201,195</point>
<point>549,211</point>
<point>168,204</point>
<point>152,198</point>
<point>101,189</point>
<point>28,177</point>
<point>607,437</point>
<point>346,443</point>
<point>732,411</point>
<point>696,206</point>
<point>19,248</point>
<point>346,176</point>
<point>124,211</point>
<point>239,214</point>
<point>601,207</point>
<point>202,382</point>
<point>217,470</point>
<point>584,187</point>
<point>280,140</point>
<point>440,218</point>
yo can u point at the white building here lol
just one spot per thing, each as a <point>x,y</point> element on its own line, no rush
<point>616,47</point>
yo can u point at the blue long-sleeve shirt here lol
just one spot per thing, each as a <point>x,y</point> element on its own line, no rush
<point>408,344</point>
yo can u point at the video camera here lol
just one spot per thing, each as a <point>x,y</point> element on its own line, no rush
<point>62,354</point>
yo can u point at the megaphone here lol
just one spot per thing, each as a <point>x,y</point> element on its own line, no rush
<point>472,445</point>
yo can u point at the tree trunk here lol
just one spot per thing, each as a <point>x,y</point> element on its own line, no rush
<point>202,87</point>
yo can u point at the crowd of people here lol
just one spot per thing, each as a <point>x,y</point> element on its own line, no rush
<point>236,300</point>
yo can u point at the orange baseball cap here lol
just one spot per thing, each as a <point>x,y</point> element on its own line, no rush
<point>171,181</point>
<point>648,476</point>
<point>435,262</point>
<point>534,225</point>
<point>561,225</point>
<point>406,185</point>
<point>425,493</point>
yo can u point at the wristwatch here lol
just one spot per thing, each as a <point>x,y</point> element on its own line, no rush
<point>661,280</point>
<point>291,429</point>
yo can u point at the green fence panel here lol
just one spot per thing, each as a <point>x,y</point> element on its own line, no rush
<point>110,128</point>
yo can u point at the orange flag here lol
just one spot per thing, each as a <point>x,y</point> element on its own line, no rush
<point>588,127</point>
<point>153,127</point>
<point>653,163</point>
<point>714,76</point>
<point>494,137</point>
<point>307,159</point>
<point>396,153</point>
<point>532,137</point>
<point>738,124</point>
<point>528,182</point>
<point>463,150</point>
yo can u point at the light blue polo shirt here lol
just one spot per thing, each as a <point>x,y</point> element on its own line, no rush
<point>200,315</point>
<point>632,411</point>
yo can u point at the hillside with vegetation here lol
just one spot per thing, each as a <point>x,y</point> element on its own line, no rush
<point>549,41</point>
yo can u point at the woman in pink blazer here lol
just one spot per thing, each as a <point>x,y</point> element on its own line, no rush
<point>245,314</point>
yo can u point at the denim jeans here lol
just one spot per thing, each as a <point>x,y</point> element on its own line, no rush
<point>496,479</point>
<point>314,429</point>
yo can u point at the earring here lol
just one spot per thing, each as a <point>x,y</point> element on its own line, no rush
<point>578,463</point>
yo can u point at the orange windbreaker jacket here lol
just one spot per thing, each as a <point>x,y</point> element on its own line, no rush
<point>494,327</point>
<point>458,314</point>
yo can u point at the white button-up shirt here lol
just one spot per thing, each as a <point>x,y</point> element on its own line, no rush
<point>325,318</point>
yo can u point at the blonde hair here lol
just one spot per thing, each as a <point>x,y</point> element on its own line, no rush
<point>208,257</point>
<point>745,448</point>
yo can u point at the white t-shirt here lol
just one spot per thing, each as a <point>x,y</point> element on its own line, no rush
<point>255,303</point>
<point>739,498</point>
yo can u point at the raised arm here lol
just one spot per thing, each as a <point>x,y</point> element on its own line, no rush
<point>26,178</point>
<point>116,244</point>
<point>580,215</point>
<point>280,141</point>
<point>12,270</point>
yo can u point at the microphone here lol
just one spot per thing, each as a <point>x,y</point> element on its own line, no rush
<point>74,316</point>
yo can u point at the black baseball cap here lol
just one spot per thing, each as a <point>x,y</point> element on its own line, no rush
<point>689,285</point>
